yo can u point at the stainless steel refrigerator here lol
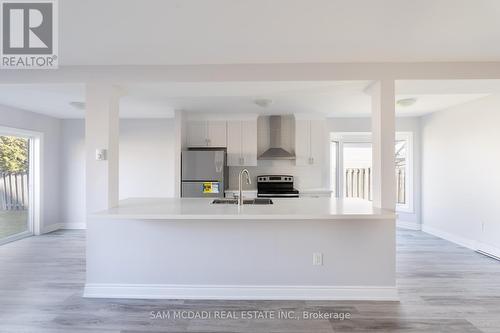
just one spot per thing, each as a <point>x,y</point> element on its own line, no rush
<point>204,173</point>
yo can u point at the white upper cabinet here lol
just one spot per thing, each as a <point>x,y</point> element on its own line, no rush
<point>217,134</point>
<point>234,143</point>
<point>302,142</point>
<point>197,134</point>
<point>309,142</point>
<point>242,143</point>
<point>206,134</point>
<point>249,142</point>
<point>318,141</point>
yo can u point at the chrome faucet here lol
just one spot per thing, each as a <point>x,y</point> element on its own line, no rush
<point>240,184</point>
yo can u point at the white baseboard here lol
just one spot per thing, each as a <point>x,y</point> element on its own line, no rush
<point>408,225</point>
<point>50,228</point>
<point>58,226</point>
<point>488,250</point>
<point>468,243</point>
<point>245,292</point>
<point>64,226</point>
<point>74,225</point>
<point>480,247</point>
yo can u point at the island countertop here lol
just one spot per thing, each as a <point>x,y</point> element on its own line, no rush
<point>281,209</point>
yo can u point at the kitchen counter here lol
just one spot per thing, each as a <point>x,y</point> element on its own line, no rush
<point>308,192</point>
<point>281,209</point>
<point>316,191</point>
<point>297,248</point>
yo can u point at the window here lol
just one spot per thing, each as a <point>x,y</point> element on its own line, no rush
<point>404,172</point>
<point>334,155</point>
<point>357,170</point>
<point>351,167</point>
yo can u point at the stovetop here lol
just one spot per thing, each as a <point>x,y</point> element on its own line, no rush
<point>276,186</point>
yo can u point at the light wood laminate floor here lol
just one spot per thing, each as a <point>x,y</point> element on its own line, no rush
<point>443,288</point>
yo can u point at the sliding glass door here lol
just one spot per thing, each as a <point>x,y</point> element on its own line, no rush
<point>15,193</point>
<point>351,167</point>
<point>357,170</point>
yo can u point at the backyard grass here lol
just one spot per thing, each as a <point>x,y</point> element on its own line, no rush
<point>13,222</point>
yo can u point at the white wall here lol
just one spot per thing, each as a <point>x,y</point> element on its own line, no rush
<point>403,124</point>
<point>146,163</point>
<point>51,129</point>
<point>461,173</point>
<point>72,208</point>
<point>147,158</point>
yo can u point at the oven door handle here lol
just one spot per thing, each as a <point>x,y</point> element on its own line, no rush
<point>289,195</point>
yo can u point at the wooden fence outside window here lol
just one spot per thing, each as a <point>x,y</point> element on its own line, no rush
<point>14,191</point>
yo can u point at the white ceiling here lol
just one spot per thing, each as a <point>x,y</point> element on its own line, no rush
<point>54,100</point>
<point>153,32</point>
<point>333,99</point>
<point>323,97</point>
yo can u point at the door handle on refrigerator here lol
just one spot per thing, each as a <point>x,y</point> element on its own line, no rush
<point>219,161</point>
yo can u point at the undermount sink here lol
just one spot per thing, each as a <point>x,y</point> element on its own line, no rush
<point>256,201</point>
<point>225,201</point>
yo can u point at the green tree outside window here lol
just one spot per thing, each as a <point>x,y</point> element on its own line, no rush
<point>14,154</point>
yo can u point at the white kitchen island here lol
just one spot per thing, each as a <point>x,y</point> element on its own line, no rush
<point>183,248</point>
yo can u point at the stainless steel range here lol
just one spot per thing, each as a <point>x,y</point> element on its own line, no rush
<point>276,186</point>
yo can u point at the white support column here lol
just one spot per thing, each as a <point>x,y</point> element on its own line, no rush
<point>101,132</point>
<point>178,146</point>
<point>383,136</point>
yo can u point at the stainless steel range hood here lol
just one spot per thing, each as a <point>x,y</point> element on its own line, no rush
<point>276,151</point>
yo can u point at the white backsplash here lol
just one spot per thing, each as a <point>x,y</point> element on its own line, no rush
<point>305,177</point>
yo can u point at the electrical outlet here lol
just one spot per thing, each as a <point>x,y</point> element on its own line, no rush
<point>318,259</point>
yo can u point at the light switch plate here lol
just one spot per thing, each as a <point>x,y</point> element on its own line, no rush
<point>100,154</point>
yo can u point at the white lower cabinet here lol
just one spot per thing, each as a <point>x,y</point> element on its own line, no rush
<point>242,143</point>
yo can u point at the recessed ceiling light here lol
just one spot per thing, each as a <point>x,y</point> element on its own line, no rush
<point>78,105</point>
<point>263,102</point>
<point>405,102</point>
